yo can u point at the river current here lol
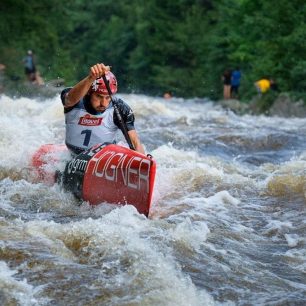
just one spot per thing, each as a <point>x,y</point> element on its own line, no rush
<point>227,224</point>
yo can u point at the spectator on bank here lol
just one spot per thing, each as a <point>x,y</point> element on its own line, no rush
<point>29,66</point>
<point>226,78</point>
<point>235,83</point>
<point>38,79</point>
<point>264,85</point>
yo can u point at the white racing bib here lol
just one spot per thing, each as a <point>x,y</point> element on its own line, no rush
<point>84,130</point>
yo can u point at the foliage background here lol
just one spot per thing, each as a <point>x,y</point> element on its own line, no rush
<point>156,46</point>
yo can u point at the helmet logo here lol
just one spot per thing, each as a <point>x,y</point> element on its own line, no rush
<point>99,86</point>
<point>96,84</point>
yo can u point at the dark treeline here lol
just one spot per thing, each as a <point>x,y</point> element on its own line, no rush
<point>155,46</point>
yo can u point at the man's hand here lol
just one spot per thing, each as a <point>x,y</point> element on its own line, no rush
<point>97,70</point>
<point>80,89</point>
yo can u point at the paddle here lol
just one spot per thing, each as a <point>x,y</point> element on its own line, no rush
<point>121,122</point>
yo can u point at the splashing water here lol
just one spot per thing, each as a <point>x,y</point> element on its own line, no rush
<point>227,225</point>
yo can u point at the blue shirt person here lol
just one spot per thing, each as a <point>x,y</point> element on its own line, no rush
<point>235,82</point>
<point>29,66</point>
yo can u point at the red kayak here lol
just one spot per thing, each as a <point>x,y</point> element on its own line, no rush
<point>105,173</point>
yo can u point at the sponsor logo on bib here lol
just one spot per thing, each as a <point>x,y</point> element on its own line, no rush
<point>87,120</point>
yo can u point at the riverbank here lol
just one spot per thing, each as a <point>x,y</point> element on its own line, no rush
<point>282,105</point>
<point>17,87</point>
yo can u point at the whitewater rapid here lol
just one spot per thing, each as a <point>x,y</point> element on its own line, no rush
<point>227,224</point>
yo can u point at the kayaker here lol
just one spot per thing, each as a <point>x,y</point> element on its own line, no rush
<point>89,112</point>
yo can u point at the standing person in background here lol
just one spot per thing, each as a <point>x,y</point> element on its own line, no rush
<point>226,77</point>
<point>38,79</point>
<point>89,112</point>
<point>29,66</point>
<point>235,83</point>
<point>2,69</point>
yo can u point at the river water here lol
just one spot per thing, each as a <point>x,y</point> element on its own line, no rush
<point>227,224</point>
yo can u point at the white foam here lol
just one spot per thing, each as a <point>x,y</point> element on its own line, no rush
<point>277,227</point>
<point>119,236</point>
<point>293,240</point>
<point>25,125</point>
<point>14,289</point>
<point>191,234</point>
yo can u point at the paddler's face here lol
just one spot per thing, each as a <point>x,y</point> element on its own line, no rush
<point>99,102</point>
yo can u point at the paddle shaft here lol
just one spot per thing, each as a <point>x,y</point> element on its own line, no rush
<point>118,114</point>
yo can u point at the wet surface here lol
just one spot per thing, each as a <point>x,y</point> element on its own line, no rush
<point>227,222</point>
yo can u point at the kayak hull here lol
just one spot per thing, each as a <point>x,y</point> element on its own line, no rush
<point>107,173</point>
